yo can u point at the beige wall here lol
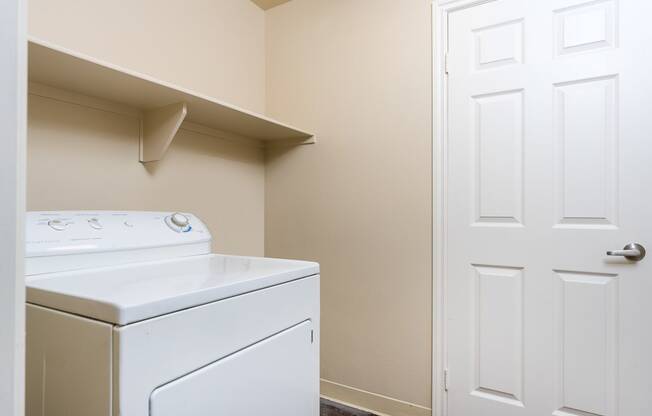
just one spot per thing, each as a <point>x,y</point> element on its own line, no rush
<point>213,47</point>
<point>82,158</point>
<point>357,73</point>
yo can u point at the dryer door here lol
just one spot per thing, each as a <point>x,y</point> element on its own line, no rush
<point>278,376</point>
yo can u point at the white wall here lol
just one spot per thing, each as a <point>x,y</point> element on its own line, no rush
<point>12,166</point>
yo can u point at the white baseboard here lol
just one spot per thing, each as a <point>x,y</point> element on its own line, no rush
<point>371,402</point>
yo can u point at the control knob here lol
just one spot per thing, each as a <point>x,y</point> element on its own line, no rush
<point>178,222</point>
<point>95,223</point>
<point>179,219</point>
<point>58,224</point>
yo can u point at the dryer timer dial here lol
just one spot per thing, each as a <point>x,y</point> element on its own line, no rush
<point>178,222</point>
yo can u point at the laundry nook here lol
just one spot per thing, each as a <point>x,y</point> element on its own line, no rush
<point>325,208</point>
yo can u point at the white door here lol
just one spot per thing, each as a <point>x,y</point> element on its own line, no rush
<point>549,153</point>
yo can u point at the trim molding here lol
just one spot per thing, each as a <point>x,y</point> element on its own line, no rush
<point>439,88</point>
<point>13,125</point>
<point>370,402</point>
<point>440,48</point>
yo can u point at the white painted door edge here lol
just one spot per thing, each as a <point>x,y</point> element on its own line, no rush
<point>13,125</point>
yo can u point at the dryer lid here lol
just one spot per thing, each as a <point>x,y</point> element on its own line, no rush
<point>130,293</point>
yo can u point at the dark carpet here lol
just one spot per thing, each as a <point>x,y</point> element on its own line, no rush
<point>329,408</point>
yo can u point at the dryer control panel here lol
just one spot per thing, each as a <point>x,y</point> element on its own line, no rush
<point>55,233</point>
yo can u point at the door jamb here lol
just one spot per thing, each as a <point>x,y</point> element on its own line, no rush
<point>439,86</point>
<point>13,124</point>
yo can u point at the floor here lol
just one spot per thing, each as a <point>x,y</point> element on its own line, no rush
<point>329,408</point>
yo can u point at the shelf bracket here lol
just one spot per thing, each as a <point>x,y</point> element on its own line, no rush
<point>158,128</point>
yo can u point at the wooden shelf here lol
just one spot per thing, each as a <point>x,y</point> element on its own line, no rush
<point>164,106</point>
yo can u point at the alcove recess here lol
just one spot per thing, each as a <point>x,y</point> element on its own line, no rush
<point>161,106</point>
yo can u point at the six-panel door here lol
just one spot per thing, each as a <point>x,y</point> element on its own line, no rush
<point>549,150</point>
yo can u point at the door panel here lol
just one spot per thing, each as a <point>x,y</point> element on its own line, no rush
<point>498,179</point>
<point>586,158</point>
<point>586,359</point>
<point>548,163</point>
<point>498,333</point>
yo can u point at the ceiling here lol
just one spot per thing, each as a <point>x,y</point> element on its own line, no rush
<point>268,4</point>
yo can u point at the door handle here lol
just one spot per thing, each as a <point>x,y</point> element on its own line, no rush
<point>632,251</point>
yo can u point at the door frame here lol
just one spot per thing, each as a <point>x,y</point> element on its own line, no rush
<point>441,9</point>
<point>13,126</point>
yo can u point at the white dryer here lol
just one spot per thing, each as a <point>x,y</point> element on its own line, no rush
<point>128,314</point>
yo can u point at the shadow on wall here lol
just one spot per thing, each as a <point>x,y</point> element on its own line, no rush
<point>81,150</point>
<point>198,145</point>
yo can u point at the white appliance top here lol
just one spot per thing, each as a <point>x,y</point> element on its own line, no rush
<point>127,266</point>
<point>131,293</point>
